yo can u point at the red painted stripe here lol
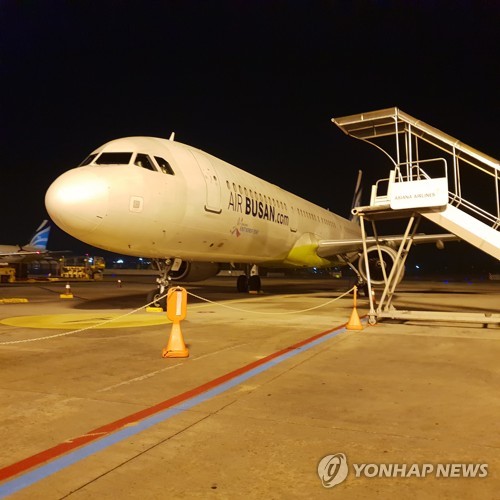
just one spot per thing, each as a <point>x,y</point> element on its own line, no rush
<point>61,448</point>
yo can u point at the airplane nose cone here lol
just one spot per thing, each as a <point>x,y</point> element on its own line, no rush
<point>77,201</point>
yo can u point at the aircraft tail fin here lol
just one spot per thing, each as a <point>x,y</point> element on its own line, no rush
<point>41,236</point>
<point>358,190</point>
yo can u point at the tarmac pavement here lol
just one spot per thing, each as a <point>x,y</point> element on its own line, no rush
<point>273,384</point>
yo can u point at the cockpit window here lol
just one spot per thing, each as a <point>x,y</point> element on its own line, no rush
<point>164,165</point>
<point>142,160</point>
<point>114,159</point>
<point>88,160</point>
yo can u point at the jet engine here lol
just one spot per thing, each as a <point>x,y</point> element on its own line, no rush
<point>377,264</point>
<point>194,271</point>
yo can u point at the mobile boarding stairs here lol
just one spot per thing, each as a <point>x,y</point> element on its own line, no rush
<point>434,176</point>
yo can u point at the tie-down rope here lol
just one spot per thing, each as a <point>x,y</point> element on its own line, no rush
<point>158,299</point>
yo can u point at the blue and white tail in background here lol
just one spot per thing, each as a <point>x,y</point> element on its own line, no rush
<point>356,200</point>
<point>41,237</point>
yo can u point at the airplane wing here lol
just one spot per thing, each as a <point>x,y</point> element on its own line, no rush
<point>330,248</point>
<point>23,252</point>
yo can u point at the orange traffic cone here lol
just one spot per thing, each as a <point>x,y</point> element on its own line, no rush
<point>354,322</point>
<point>176,311</point>
<point>176,348</point>
<point>67,294</point>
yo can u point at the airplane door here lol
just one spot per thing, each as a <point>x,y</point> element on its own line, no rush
<point>293,220</point>
<point>213,194</point>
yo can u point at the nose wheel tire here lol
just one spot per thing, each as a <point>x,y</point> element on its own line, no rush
<point>157,300</point>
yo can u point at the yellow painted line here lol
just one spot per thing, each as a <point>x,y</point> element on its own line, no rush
<point>154,309</point>
<point>75,321</point>
<point>13,300</point>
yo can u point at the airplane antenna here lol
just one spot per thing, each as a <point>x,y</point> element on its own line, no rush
<point>172,136</point>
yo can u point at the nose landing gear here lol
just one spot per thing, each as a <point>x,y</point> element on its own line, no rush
<point>158,296</point>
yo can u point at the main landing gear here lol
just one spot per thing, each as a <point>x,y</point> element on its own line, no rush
<point>249,282</point>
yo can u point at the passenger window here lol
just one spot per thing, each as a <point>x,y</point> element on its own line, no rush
<point>143,161</point>
<point>164,165</point>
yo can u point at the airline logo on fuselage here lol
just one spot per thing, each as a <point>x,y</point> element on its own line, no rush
<point>240,227</point>
<point>248,206</point>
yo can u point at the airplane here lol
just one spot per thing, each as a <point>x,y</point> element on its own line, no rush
<point>190,212</point>
<point>37,246</point>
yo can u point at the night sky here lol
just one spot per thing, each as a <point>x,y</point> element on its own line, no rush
<point>254,82</point>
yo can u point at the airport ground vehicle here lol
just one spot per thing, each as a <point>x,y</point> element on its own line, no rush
<point>7,274</point>
<point>82,267</point>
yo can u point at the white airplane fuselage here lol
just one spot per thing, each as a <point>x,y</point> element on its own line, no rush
<point>207,210</point>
